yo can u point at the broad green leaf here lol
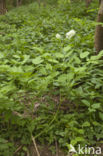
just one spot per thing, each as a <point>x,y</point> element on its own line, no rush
<point>26,58</point>
<point>101,115</point>
<point>97,56</point>
<point>76,140</point>
<point>16,56</point>
<point>37,60</point>
<point>49,67</point>
<point>86,124</point>
<point>1,55</point>
<point>84,54</point>
<point>59,55</point>
<point>96,105</point>
<point>87,103</point>
<point>38,49</point>
<point>16,70</point>
<point>67,48</point>
<point>53,61</point>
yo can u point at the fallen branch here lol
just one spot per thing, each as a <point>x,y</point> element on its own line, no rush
<point>34,142</point>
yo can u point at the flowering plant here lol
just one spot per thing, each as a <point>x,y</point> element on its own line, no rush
<point>58,36</point>
<point>70,34</point>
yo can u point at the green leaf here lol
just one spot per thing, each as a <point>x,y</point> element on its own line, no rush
<point>84,55</point>
<point>96,105</point>
<point>16,70</point>
<point>3,140</point>
<point>1,55</point>
<point>59,55</point>
<point>100,54</point>
<point>38,49</point>
<point>87,103</point>
<point>53,60</point>
<point>37,60</point>
<point>67,48</point>
<point>86,124</point>
<point>76,140</point>
<point>101,115</point>
<point>26,58</point>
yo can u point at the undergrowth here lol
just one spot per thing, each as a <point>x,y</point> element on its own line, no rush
<point>50,88</point>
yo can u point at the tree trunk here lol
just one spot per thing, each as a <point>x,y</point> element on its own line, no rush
<point>3,9</point>
<point>41,1</point>
<point>88,3</point>
<point>18,3</point>
<point>99,29</point>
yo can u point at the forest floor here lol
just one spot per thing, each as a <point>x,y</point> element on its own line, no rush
<point>50,84</point>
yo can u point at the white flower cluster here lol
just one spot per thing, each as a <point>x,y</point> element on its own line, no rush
<point>58,36</point>
<point>69,34</point>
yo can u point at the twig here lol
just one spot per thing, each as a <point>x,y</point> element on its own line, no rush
<point>28,153</point>
<point>34,142</point>
<point>56,144</point>
<point>17,114</point>
<point>21,115</point>
<point>19,148</point>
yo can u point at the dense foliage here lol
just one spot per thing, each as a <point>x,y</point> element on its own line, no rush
<point>49,88</point>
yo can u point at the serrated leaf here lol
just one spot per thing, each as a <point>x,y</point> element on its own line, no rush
<point>37,60</point>
<point>59,55</point>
